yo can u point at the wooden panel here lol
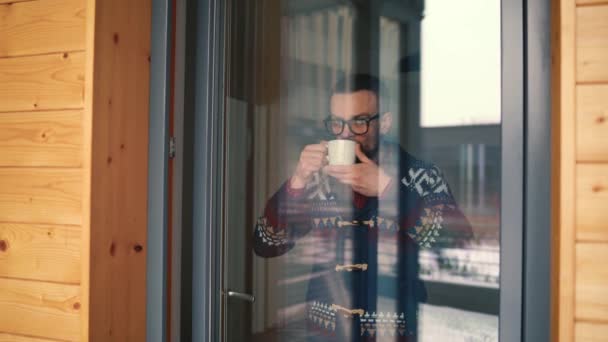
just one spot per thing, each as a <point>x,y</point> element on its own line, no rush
<point>591,332</point>
<point>87,133</point>
<point>42,82</point>
<point>40,195</point>
<point>119,159</point>
<point>592,43</point>
<point>591,281</point>
<point>39,309</point>
<point>43,26</point>
<point>41,138</point>
<point>40,252</point>
<point>592,202</point>
<point>563,170</point>
<point>20,338</point>
<point>592,122</point>
<point>591,2</point>
<point>10,2</point>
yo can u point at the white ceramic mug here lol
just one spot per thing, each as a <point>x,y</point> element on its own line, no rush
<point>341,152</point>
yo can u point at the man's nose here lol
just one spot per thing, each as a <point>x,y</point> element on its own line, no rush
<point>346,132</point>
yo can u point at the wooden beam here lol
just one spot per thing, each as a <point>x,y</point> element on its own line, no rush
<point>87,142</point>
<point>117,116</point>
<point>564,163</point>
<point>41,27</point>
<point>42,82</point>
<point>39,309</point>
<point>46,139</point>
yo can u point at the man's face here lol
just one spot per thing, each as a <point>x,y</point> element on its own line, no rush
<point>358,105</point>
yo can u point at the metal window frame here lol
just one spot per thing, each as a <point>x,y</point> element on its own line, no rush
<point>178,258</point>
<point>208,162</point>
<point>158,151</point>
<point>525,267</point>
<point>512,172</point>
<point>537,288</point>
<point>525,196</point>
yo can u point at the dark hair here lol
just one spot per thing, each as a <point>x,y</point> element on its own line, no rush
<point>357,82</point>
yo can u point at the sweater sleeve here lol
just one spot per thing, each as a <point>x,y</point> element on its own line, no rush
<point>436,220</point>
<point>285,219</point>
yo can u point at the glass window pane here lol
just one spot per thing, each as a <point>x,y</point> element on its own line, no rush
<point>362,170</point>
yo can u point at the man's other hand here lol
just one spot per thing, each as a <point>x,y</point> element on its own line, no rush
<point>312,159</point>
<point>365,178</point>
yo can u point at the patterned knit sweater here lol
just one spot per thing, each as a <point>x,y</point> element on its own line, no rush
<point>354,276</point>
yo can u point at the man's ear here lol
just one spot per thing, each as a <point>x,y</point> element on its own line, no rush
<point>386,122</point>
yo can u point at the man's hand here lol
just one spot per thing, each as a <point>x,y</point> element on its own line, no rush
<point>365,178</point>
<point>312,159</point>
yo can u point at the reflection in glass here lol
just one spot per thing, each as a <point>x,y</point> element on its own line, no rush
<point>403,245</point>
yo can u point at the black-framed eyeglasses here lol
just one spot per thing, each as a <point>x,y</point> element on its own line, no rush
<point>357,126</point>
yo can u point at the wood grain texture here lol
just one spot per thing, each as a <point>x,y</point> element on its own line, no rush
<point>119,159</point>
<point>40,252</point>
<point>592,202</point>
<point>40,195</point>
<point>43,26</point>
<point>42,82</point>
<point>563,176</point>
<point>555,167</point>
<point>20,338</point>
<point>591,332</point>
<point>39,309</point>
<point>87,133</point>
<point>591,280</point>
<point>592,43</point>
<point>592,122</point>
<point>41,138</point>
<point>11,2</point>
<point>556,161</point>
<point>591,2</point>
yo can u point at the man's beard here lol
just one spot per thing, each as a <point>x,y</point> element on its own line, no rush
<point>372,152</point>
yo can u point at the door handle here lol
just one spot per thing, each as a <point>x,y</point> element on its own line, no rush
<point>242,296</point>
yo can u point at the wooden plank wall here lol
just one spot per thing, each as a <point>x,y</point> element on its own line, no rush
<point>74,93</point>
<point>581,166</point>
<point>42,49</point>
